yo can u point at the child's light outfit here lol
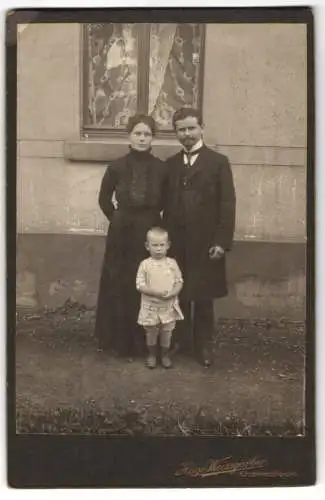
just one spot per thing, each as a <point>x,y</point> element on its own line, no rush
<point>158,316</point>
<point>160,275</point>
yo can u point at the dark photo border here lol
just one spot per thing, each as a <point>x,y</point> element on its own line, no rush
<point>81,461</point>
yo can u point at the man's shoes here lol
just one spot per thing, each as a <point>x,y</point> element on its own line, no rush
<point>205,357</point>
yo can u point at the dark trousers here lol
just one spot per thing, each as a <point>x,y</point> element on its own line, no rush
<point>196,330</point>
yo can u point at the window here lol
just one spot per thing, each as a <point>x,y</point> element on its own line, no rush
<point>151,68</point>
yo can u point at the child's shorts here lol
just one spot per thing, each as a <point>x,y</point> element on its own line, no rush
<point>163,327</point>
<point>152,314</point>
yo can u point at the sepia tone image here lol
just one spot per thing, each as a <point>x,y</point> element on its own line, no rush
<point>161,229</point>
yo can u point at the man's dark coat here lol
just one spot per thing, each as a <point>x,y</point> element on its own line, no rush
<point>199,213</point>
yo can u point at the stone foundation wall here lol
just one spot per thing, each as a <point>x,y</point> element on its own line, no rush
<point>265,279</point>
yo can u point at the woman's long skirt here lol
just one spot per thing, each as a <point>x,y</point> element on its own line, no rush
<point>118,303</point>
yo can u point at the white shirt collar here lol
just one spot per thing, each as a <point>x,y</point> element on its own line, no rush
<point>196,146</point>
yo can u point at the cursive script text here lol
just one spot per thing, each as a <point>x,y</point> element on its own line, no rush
<point>244,468</point>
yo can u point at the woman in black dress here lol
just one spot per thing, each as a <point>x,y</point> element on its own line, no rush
<point>137,180</point>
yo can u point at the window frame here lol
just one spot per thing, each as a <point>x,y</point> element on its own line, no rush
<point>90,131</point>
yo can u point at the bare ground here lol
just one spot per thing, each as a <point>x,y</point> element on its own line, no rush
<point>63,385</point>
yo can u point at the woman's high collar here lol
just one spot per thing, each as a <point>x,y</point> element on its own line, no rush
<point>141,155</point>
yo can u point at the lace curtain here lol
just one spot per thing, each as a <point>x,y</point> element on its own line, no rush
<point>113,71</point>
<point>174,58</point>
<point>113,65</point>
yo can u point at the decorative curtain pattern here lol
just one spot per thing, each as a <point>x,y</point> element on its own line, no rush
<point>161,41</point>
<point>112,51</point>
<point>113,72</point>
<point>179,84</point>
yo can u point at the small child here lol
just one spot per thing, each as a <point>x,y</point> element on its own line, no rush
<point>160,281</point>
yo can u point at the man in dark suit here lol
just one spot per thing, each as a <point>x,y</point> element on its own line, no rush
<point>200,217</point>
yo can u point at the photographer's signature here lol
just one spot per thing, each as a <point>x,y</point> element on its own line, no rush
<point>254,467</point>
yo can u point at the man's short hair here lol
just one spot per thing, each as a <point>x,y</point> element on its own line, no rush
<point>183,113</point>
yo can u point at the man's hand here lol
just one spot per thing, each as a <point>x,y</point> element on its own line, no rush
<point>216,252</point>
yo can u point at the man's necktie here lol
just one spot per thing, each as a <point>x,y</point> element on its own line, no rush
<point>189,155</point>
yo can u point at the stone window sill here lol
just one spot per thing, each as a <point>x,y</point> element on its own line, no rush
<point>89,150</point>
<point>104,151</point>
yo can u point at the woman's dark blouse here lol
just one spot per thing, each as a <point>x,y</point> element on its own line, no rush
<point>138,180</point>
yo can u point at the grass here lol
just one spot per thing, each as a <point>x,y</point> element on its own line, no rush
<point>65,387</point>
<point>132,423</point>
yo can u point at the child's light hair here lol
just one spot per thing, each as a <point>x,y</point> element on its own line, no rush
<point>157,231</point>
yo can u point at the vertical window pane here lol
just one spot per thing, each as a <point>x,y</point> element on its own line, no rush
<point>112,74</point>
<point>174,69</point>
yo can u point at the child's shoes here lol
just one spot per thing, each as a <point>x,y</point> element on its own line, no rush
<point>151,359</point>
<point>165,359</point>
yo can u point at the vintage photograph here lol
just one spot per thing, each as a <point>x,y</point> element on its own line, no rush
<point>161,229</point>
